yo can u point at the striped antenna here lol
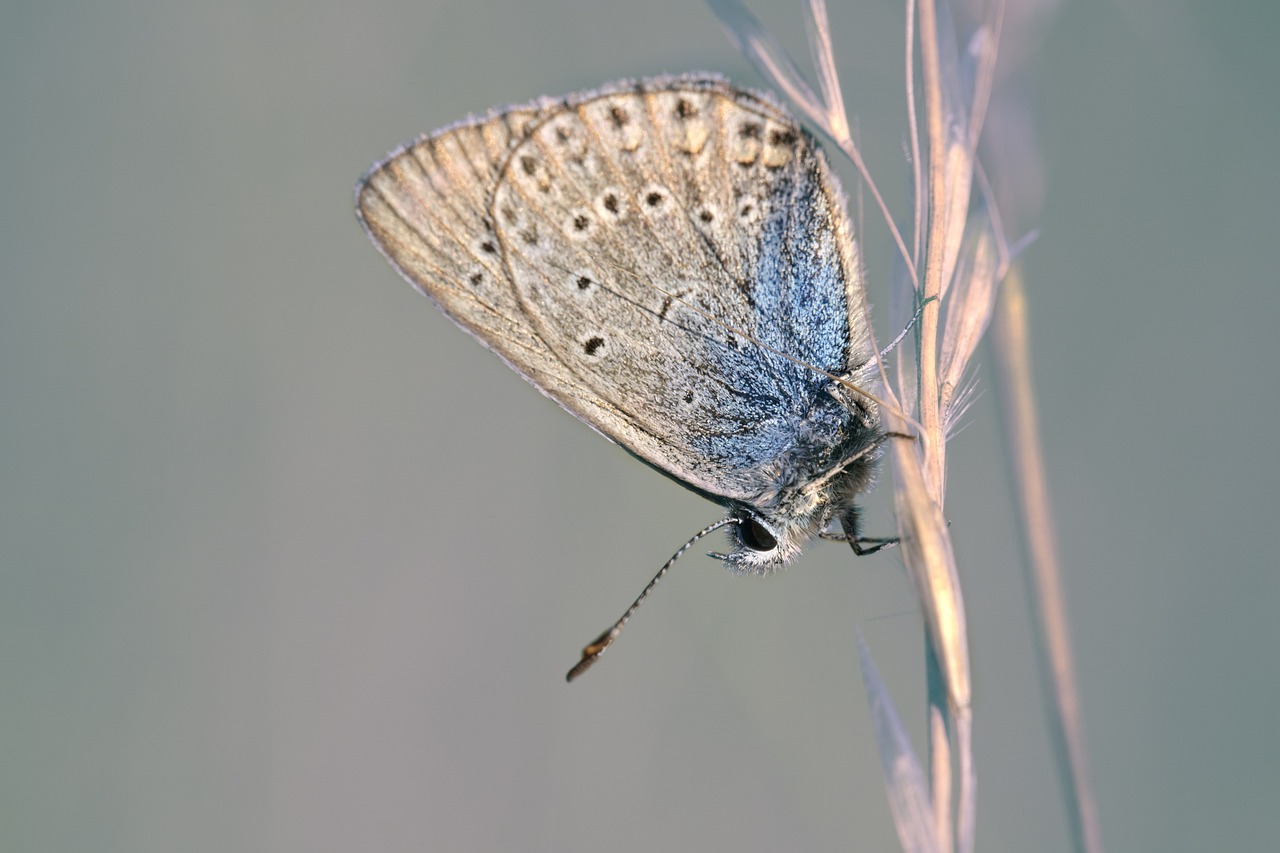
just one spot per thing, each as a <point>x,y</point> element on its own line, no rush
<point>591,653</point>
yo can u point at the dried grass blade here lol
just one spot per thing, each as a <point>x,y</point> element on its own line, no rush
<point>770,59</point>
<point>926,549</point>
<point>913,131</point>
<point>824,61</point>
<point>968,309</point>
<point>966,804</point>
<point>904,779</point>
<point>956,153</point>
<point>1062,700</point>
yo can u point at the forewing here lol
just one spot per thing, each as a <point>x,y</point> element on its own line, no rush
<point>682,247</point>
<point>426,207</point>
<point>645,255</point>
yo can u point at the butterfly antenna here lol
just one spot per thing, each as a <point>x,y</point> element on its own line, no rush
<point>914,319</point>
<point>591,653</point>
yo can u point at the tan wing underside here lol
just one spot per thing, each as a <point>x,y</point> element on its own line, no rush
<point>533,230</point>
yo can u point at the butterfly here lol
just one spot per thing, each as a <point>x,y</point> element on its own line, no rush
<point>670,260</point>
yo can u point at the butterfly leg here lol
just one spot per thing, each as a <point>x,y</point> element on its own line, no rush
<point>862,549</point>
<point>862,545</point>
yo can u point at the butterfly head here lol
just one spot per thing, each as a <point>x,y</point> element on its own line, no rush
<point>769,535</point>
<point>761,544</point>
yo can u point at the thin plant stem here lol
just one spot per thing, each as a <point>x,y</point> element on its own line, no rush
<point>1040,556</point>
<point>927,398</point>
<point>927,335</point>
<point>913,134</point>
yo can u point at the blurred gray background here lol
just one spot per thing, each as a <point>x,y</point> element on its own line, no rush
<point>289,563</point>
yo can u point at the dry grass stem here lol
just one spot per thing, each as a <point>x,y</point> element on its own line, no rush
<point>904,777</point>
<point>1039,542</point>
<point>951,276</point>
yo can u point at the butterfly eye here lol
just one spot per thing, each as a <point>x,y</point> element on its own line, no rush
<point>756,536</point>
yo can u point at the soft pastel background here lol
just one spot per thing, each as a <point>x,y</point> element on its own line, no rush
<point>288,563</point>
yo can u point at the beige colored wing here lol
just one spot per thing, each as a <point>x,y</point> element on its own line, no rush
<point>426,209</point>
<point>609,247</point>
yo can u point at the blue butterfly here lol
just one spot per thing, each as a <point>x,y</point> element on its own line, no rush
<point>670,261</point>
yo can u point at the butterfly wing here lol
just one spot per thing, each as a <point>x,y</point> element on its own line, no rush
<point>426,208</point>
<point>669,260</point>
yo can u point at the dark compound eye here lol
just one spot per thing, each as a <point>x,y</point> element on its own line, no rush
<point>755,536</point>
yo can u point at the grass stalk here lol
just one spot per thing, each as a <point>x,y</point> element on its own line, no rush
<point>1011,341</point>
<point>965,255</point>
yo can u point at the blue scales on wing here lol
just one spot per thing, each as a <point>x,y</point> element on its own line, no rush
<point>684,251</point>
<point>668,259</point>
